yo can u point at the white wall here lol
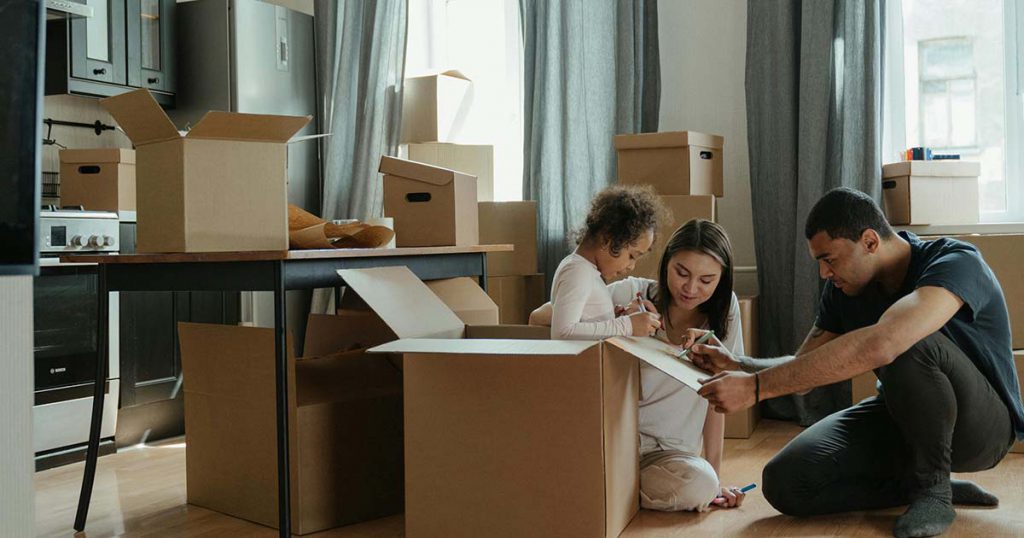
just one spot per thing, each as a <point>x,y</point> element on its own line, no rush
<point>17,497</point>
<point>703,59</point>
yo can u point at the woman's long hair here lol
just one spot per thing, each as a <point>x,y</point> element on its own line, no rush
<point>705,237</point>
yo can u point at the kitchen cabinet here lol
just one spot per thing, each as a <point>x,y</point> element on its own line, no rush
<point>126,44</point>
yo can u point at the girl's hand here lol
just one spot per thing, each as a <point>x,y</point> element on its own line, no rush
<point>729,498</point>
<point>645,323</point>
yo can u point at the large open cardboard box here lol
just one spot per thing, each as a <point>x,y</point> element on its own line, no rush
<point>931,192</point>
<point>682,209</point>
<point>432,206</point>
<point>475,160</point>
<point>220,187</point>
<point>98,179</point>
<point>512,223</point>
<point>509,436</point>
<point>435,107</point>
<point>684,162</point>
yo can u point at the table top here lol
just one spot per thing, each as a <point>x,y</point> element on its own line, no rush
<point>275,255</point>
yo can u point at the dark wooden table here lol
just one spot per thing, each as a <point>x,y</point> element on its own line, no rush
<point>276,271</point>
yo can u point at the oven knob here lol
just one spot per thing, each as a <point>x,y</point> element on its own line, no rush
<point>76,241</point>
<point>94,241</point>
<point>108,241</point>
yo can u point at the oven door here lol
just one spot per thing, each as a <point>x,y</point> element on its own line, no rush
<point>65,312</point>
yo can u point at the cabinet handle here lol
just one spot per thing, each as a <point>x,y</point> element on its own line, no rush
<point>99,71</point>
<point>152,80</point>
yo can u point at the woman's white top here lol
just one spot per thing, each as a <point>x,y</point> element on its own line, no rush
<point>671,414</point>
<point>582,307</point>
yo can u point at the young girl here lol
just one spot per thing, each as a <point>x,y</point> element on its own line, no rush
<point>619,230</point>
<point>693,290</point>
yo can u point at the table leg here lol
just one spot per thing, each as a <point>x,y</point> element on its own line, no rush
<point>95,426</point>
<point>283,476</point>
<point>483,271</point>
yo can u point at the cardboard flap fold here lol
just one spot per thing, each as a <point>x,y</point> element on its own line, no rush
<point>661,356</point>
<point>404,302</point>
<point>435,175</point>
<point>252,127</point>
<point>466,299</point>
<point>486,347</point>
<point>141,117</point>
<point>667,140</point>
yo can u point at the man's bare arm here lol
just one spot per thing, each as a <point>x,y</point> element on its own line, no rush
<point>815,339</point>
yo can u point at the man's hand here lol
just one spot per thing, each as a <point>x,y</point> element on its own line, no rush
<point>729,392</point>
<point>713,358</point>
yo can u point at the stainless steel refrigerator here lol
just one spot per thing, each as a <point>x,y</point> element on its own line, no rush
<point>253,57</point>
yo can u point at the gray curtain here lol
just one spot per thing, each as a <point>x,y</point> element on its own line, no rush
<point>360,48</point>
<point>814,88</point>
<point>590,71</point>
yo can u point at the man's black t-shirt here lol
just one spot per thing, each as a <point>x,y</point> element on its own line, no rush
<point>981,328</point>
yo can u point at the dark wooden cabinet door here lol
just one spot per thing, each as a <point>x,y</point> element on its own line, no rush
<point>151,58</point>
<point>97,49</point>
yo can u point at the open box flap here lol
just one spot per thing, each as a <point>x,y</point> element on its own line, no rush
<point>404,302</point>
<point>251,127</point>
<point>486,347</point>
<point>141,118</point>
<point>661,356</point>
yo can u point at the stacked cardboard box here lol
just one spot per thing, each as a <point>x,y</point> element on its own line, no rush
<point>98,179</point>
<point>740,425</point>
<point>512,279</point>
<point>920,192</point>
<point>475,160</point>
<point>220,187</point>
<point>431,206</point>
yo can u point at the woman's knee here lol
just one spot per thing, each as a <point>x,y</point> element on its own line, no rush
<point>678,483</point>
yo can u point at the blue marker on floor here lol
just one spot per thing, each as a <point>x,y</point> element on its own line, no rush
<point>744,489</point>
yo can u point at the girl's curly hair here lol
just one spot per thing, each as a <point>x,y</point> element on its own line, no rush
<point>621,214</point>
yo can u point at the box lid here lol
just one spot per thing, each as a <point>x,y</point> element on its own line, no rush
<point>252,127</point>
<point>466,299</point>
<point>404,302</point>
<point>667,140</point>
<point>141,117</point>
<point>661,356</point>
<point>435,175</point>
<point>486,347</point>
<point>932,168</point>
<point>97,155</point>
<point>453,73</point>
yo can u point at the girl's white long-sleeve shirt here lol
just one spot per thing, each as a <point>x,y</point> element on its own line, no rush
<point>582,307</point>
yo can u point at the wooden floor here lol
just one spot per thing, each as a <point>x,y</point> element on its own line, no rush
<point>141,492</point>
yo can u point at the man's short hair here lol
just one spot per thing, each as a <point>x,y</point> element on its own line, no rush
<point>846,213</point>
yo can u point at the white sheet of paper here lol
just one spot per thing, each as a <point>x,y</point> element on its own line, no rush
<point>663,357</point>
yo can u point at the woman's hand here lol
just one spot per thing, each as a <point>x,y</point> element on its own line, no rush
<point>729,498</point>
<point>645,323</point>
<point>634,307</point>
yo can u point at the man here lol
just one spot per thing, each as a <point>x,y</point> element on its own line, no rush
<point>930,319</point>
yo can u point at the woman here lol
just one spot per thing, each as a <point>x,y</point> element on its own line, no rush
<point>694,294</point>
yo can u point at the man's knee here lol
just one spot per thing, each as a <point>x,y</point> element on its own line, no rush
<point>782,480</point>
<point>907,366</point>
<point>679,483</point>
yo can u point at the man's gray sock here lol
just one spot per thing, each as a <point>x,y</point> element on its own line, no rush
<point>969,493</point>
<point>927,516</point>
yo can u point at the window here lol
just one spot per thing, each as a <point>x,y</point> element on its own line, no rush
<point>958,63</point>
<point>481,39</point>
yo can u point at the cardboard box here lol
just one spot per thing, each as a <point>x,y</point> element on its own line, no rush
<point>473,160</point>
<point>466,299</point>
<point>1018,361</point>
<point>98,179</point>
<point>931,192</point>
<point>741,425</point>
<point>1005,255</point>
<point>220,187</point>
<point>863,386</point>
<point>435,107</point>
<point>683,209</point>
<point>516,297</point>
<point>431,206</point>
<point>676,163</point>
<point>345,445</point>
<point>512,223</point>
<point>478,458</point>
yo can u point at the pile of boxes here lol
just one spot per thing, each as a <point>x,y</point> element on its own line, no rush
<point>920,192</point>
